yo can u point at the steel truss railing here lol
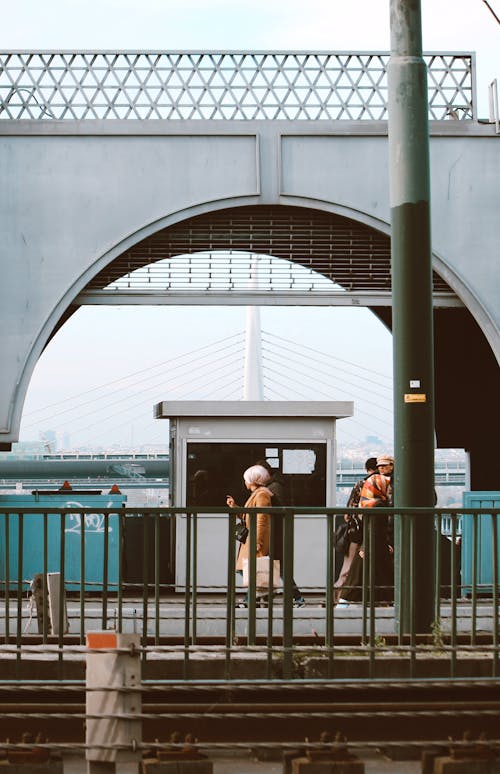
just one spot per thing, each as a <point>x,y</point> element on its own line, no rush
<point>470,622</point>
<point>41,85</point>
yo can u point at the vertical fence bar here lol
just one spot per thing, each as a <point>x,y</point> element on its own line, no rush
<point>475,565</point>
<point>453,585</point>
<point>400,545</point>
<point>82,579</point>
<point>270,598</point>
<point>494,544</point>
<point>19,617</point>
<point>194,571</point>
<point>157,578</point>
<point>365,580</point>
<point>437,560</point>
<point>119,596</point>
<point>329,597</point>
<point>252,581</point>
<point>145,583</point>
<point>187,585</point>
<point>45,611</point>
<point>230,597</point>
<point>105,572</point>
<point>172,540</point>
<point>372,558</point>
<point>7,577</point>
<point>62,599</point>
<point>288,548</point>
<point>412,596</point>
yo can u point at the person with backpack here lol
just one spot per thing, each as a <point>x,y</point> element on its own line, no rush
<point>349,537</point>
<point>377,492</point>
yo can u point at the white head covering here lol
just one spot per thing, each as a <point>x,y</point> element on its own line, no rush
<point>256,475</point>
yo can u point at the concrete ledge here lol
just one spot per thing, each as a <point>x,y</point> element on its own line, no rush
<point>154,766</point>
<point>51,767</point>
<point>253,666</point>
<point>449,765</point>
<point>391,666</point>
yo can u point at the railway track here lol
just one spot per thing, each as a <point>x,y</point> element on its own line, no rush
<point>284,713</point>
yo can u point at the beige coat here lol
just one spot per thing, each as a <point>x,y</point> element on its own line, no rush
<point>260,497</point>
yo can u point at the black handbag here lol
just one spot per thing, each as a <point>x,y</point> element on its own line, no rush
<point>241,533</point>
<point>341,539</point>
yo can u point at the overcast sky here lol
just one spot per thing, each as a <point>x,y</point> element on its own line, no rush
<point>450,25</point>
<point>100,345</point>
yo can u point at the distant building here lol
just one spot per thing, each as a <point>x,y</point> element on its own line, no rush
<point>49,440</point>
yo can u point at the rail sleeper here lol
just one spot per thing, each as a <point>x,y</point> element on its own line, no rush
<point>176,767</point>
<point>308,766</point>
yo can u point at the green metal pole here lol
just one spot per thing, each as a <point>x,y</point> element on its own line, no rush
<point>411,308</point>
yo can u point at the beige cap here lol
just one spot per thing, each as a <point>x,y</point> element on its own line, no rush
<point>385,459</point>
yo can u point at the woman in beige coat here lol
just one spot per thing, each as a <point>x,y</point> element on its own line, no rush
<point>255,479</point>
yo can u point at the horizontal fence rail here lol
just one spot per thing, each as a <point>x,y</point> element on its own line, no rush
<point>67,571</point>
<point>352,86</point>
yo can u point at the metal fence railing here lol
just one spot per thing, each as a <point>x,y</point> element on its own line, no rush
<point>220,85</point>
<point>61,577</point>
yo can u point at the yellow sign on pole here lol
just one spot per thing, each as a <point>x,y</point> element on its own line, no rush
<point>415,397</point>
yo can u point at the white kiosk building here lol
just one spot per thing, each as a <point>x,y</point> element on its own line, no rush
<point>213,442</point>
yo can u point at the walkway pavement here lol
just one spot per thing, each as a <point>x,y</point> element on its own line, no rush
<point>210,615</point>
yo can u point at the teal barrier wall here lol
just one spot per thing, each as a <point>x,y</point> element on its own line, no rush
<point>478,551</point>
<point>32,552</point>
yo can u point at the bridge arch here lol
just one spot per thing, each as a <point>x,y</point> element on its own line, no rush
<point>313,233</point>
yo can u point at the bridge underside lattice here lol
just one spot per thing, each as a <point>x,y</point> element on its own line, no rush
<point>350,255</point>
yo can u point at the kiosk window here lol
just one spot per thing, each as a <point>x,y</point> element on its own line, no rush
<point>215,469</point>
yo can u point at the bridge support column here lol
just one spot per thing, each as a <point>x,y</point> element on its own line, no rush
<point>412,316</point>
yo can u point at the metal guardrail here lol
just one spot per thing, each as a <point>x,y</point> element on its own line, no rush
<point>231,85</point>
<point>102,597</point>
<point>287,687</point>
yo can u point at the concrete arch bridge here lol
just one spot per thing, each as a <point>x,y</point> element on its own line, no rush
<point>124,174</point>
